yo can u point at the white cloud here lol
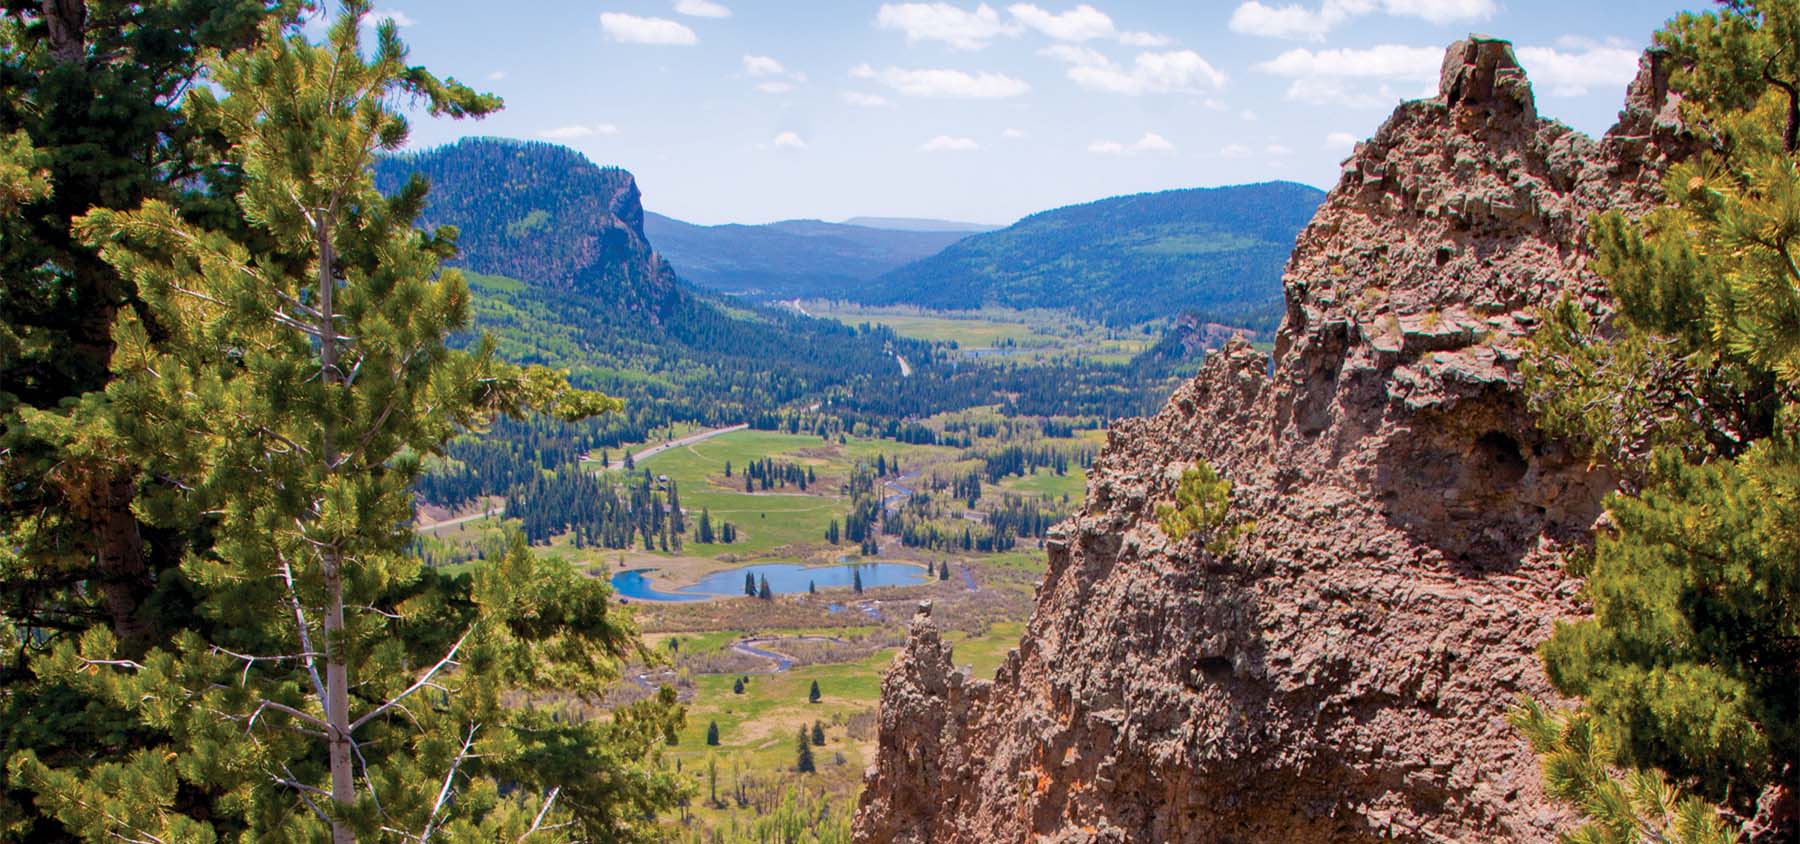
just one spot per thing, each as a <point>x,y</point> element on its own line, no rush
<point>497,75</point>
<point>762,66</point>
<point>1150,142</point>
<point>1389,61</point>
<point>1247,116</point>
<point>775,87</point>
<point>1441,12</point>
<point>701,9</point>
<point>947,143</point>
<point>1012,134</point>
<point>789,140</point>
<point>631,29</point>
<point>864,100</point>
<point>1340,141</point>
<point>1150,73</point>
<point>1277,150</point>
<point>943,83</point>
<point>1234,151</point>
<point>1309,23</point>
<point>1086,56</point>
<point>1358,78</point>
<point>569,133</point>
<point>964,30</point>
<point>376,16</point>
<point>1584,65</point>
<point>1082,23</point>
<point>1144,39</point>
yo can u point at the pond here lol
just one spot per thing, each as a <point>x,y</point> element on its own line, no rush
<point>784,578</point>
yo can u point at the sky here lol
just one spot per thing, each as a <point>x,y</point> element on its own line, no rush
<point>751,111</point>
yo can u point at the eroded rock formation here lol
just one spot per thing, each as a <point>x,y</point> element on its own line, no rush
<point>1345,675</point>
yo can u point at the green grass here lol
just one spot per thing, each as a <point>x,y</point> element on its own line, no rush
<point>1047,484</point>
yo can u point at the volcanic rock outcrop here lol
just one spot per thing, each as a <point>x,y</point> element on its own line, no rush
<point>1344,675</point>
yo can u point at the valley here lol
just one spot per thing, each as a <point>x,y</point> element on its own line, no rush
<point>365,477</point>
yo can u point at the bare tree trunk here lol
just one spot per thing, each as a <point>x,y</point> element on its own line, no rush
<point>337,672</point>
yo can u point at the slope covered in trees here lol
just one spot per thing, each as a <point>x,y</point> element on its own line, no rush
<point>791,258</point>
<point>1217,252</point>
<point>575,283</point>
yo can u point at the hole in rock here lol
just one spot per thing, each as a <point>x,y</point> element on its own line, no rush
<point>1502,456</point>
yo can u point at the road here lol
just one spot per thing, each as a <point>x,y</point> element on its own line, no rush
<point>905,368</point>
<point>688,440</point>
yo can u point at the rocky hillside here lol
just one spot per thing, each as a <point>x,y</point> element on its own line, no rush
<point>1344,675</point>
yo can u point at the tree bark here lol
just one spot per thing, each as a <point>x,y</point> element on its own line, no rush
<point>337,671</point>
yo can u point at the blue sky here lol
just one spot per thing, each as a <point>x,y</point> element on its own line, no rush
<point>759,110</point>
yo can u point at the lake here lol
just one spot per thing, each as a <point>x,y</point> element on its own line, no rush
<point>784,578</point>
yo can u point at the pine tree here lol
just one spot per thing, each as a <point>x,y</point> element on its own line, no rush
<point>288,391</point>
<point>1690,388</point>
<point>812,588</point>
<point>944,571</point>
<point>703,531</point>
<point>727,468</point>
<point>712,734</point>
<point>762,590</point>
<point>856,584</point>
<point>750,584</point>
<point>813,696</point>
<point>803,755</point>
<point>818,734</point>
<point>737,686</point>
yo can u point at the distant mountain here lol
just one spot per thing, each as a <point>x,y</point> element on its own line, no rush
<point>919,224</point>
<point>1216,253</point>
<point>792,258</point>
<point>567,277</point>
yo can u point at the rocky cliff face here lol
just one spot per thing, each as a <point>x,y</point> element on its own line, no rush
<point>542,214</point>
<point>1343,676</point>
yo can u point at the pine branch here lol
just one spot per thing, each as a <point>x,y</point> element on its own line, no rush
<point>423,682</point>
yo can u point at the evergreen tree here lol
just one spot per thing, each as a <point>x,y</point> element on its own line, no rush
<point>89,117</point>
<point>944,571</point>
<point>818,734</point>
<point>630,462</point>
<point>750,584</point>
<point>737,686</point>
<point>287,391</point>
<point>727,468</point>
<point>813,696</point>
<point>812,588</point>
<point>856,584</point>
<point>712,734</point>
<point>703,531</point>
<point>803,755</point>
<point>1691,389</point>
<point>762,590</point>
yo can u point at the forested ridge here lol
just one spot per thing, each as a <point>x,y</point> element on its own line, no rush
<point>1214,252</point>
